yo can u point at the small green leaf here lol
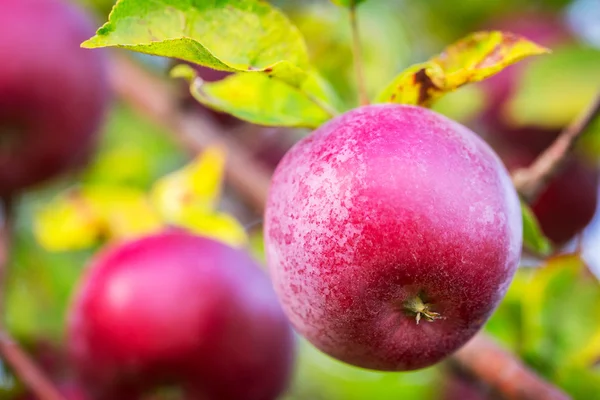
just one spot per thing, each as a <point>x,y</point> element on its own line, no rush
<point>229,35</point>
<point>533,238</point>
<point>261,100</point>
<point>471,59</point>
<point>554,90</point>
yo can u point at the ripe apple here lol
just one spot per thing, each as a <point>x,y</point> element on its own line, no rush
<point>175,308</point>
<point>53,94</point>
<point>391,235</point>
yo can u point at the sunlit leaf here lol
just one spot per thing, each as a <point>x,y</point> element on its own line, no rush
<point>483,54</point>
<point>229,35</point>
<point>189,198</point>
<point>79,218</point>
<point>533,237</point>
<point>418,84</point>
<point>471,59</point>
<point>68,223</point>
<point>589,354</point>
<point>197,186</point>
<point>557,305</point>
<point>219,226</point>
<point>261,100</point>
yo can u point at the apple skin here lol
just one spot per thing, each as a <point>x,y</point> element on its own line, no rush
<point>175,308</point>
<point>568,203</point>
<point>377,207</point>
<point>53,94</point>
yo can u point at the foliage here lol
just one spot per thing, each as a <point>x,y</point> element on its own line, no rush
<point>548,315</point>
<point>472,59</point>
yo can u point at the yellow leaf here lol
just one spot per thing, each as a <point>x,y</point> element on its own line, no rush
<point>196,186</point>
<point>79,218</point>
<point>219,226</point>
<point>68,223</point>
<point>471,59</point>
<point>418,84</point>
<point>483,54</point>
<point>125,212</point>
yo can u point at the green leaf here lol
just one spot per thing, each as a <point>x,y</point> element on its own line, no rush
<point>471,59</point>
<point>554,90</point>
<point>261,100</point>
<point>533,238</point>
<point>234,35</point>
<point>557,304</point>
<point>319,376</point>
<point>347,3</point>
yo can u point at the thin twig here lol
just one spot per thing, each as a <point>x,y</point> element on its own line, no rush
<point>151,96</point>
<point>10,351</point>
<point>157,101</point>
<point>506,375</point>
<point>531,180</point>
<point>358,59</point>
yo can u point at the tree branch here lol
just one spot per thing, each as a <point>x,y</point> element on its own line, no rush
<point>502,372</point>
<point>10,352</point>
<point>358,59</point>
<point>531,180</point>
<point>156,100</point>
<point>151,96</point>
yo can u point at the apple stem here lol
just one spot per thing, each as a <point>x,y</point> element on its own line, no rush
<point>358,62</point>
<point>415,305</point>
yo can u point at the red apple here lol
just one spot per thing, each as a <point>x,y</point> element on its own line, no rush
<point>53,94</point>
<point>391,233</point>
<point>175,308</point>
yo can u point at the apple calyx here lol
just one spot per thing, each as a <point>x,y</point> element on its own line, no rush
<point>417,307</point>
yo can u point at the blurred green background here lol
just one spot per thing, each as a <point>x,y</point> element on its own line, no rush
<point>551,315</point>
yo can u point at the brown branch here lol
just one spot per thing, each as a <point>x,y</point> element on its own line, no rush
<point>152,97</point>
<point>10,351</point>
<point>531,180</point>
<point>502,372</point>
